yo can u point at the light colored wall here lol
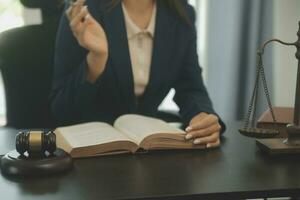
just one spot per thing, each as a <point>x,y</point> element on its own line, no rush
<point>32,16</point>
<point>286,17</point>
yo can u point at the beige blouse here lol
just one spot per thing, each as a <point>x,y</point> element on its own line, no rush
<point>140,42</point>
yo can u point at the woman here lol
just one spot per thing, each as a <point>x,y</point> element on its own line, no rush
<point>115,57</point>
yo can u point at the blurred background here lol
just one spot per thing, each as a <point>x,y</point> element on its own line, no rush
<point>229,32</point>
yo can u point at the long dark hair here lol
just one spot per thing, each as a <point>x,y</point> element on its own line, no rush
<point>176,6</point>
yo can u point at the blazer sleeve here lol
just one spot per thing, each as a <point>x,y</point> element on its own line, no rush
<point>72,94</point>
<point>191,95</point>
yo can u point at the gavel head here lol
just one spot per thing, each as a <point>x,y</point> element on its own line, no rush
<point>36,143</point>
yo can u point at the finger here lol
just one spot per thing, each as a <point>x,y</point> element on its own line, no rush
<point>87,19</point>
<point>204,132</point>
<point>204,123</point>
<point>209,139</point>
<point>77,7</point>
<point>214,144</point>
<point>199,117</point>
<point>78,19</point>
<point>71,1</point>
<point>90,18</point>
<point>69,11</point>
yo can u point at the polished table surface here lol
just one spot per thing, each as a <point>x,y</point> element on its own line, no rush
<point>236,170</point>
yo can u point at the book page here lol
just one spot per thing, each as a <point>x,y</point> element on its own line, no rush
<point>89,134</point>
<point>139,127</point>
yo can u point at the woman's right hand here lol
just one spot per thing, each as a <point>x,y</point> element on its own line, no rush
<point>91,36</point>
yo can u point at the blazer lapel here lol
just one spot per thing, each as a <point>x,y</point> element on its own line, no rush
<point>119,56</point>
<point>163,45</point>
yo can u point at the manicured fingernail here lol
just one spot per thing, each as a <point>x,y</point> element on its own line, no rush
<point>208,145</point>
<point>197,141</point>
<point>188,136</point>
<point>188,129</point>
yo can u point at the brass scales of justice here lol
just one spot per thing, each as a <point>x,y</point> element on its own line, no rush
<point>266,140</point>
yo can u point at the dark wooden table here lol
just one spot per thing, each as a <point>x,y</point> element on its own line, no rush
<point>236,170</point>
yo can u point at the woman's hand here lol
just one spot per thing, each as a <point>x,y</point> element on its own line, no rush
<point>204,129</point>
<point>91,36</point>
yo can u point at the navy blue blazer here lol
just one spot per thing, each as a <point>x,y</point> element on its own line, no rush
<point>174,65</point>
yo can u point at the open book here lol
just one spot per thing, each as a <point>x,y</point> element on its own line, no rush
<point>129,134</point>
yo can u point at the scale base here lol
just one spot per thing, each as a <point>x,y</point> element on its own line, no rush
<point>277,146</point>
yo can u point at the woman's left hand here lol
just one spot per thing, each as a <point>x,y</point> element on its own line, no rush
<point>204,129</point>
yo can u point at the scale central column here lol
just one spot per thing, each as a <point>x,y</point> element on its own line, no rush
<point>294,129</point>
